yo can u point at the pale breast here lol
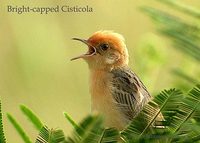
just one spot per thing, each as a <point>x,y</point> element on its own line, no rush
<point>102,100</point>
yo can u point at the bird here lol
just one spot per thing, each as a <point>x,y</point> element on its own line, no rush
<point>117,93</point>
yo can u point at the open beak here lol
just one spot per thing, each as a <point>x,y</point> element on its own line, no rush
<point>91,49</point>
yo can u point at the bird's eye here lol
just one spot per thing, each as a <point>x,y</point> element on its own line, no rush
<point>104,47</point>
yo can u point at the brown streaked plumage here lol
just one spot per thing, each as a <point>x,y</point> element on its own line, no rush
<point>116,92</point>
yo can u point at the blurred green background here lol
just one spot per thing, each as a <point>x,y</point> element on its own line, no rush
<point>35,52</point>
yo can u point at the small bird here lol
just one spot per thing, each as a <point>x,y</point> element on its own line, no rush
<point>116,91</point>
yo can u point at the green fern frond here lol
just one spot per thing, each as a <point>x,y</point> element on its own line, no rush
<point>110,135</point>
<point>87,130</point>
<point>50,136</point>
<point>185,36</point>
<point>32,117</point>
<point>182,7</point>
<point>185,126</point>
<point>91,130</point>
<point>185,76</point>
<point>196,116</point>
<point>73,123</point>
<point>166,102</point>
<point>2,136</point>
<point>193,139</point>
<point>19,129</point>
<point>93,127</point>
<point>43,136</point>
<point>77,130</point>
<point>188,108</point>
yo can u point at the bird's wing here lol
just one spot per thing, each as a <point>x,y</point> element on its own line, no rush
<point>129,93</point>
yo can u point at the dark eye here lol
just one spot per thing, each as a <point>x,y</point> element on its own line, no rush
<point>104,47</point>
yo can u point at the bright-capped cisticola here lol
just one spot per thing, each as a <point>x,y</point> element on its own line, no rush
<point>116,91</point>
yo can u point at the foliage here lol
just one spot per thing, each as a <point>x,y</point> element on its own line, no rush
<point>91,130</point>
<point>178,112</point>
<point>19,129</point>
<point>50,136</point>
<point>2,136</point>
<point>183,33</point>
<point>184,76</point>
<point>32,117</point>
<point>180,123</point>
<point>166,102</point>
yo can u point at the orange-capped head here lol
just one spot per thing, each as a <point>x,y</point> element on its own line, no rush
<point>106,49</point>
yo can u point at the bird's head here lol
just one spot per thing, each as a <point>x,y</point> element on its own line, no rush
<point>106,50</point>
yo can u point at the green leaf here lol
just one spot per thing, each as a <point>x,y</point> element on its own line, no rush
<point>71,121</point>
<point>50,136</point>
<point>19,129</point>
<point>2,136</point>
<point>32,117</point>
<point>77,130</point>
